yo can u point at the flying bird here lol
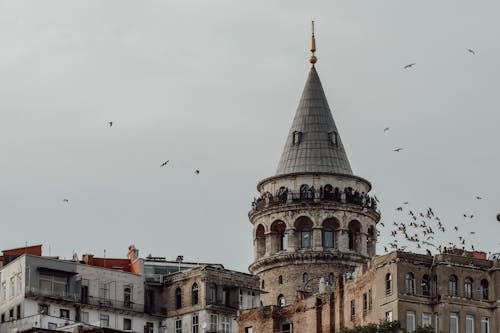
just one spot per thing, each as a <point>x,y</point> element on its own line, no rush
<point>110,123</point>
<point>197,172</point>
<point>471,51</point>
<point>409,65</point>
<point>397,150</point>
<point>386,129</point>
<point>478,197</point>
<point>65,200</point>
<point>164,163</point>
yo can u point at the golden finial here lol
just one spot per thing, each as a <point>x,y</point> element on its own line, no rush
<point>313,58</point>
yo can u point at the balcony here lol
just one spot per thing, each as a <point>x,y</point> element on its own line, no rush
<point>294,198</point>
<point>36,321</point>
<point>112,304</point>
<point>60,295</point>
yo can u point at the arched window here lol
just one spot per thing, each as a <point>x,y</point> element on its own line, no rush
<point>304,225</point>
<point>484,289</point>
<point>304,191</point>
<point>452,285</point>
<point>262,285</point>
<point>305,277</point>
<point>410,283</point>
<point>388,284</point>
<point>280,236</point>
<point>280,279</point>
<point>194,294</point>
<point>260,241</point>
<point>281,300</point>
<point>468,287</point>
<point>353,235</point>
<point>178,298</point>
<point>426,285</point>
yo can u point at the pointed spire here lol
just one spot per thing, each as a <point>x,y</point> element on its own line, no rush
<point>313,143</point>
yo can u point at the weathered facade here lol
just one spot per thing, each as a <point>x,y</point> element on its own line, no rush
<point>208,298</point>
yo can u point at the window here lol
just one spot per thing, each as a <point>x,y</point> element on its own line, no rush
<point>334,138</point>
<point>305,238</point>
<point>178,326</point>
<point>52,326</point>
<point>353,310</point>
<point>283,241</point>
<point>305,277</point>
<point>195,326</point>
<point>287,328</point>
<point>388,316</point>
<point>225,296</point>
<point>85,317</point>
<point>249,329</point>
<point>19,284</point>
<point>350,237</point>
<point>213,293</point>
<point>127,297</point>
<point>18,311</point>
<point>370,299</point>
<point>53,285</point>
<point>43,309</point>
<point>485,325</point>
<point>452,286</point>
<point>213,323</point>
<point>453,322</point>
<point>240,299</point>
<point>426,285</point>
<point>178,298</point>
<point>484,290</point>
<point>365,303</point>
<point>104,289</point>
<point>426,319</point>
<point>11,314</point>
<point>297,136</point>
<point>149,327</point>
<point>262,285</point>
<point>331,279</point>
<point>280,279</point>
<point>410,283</point>
<point>64,313</point>
<point>226,324</point>
<point>469,324</point>
<point>104,320</point>
<point>436,324</point>
<point>468,287</point>
<point>127,324</point>
<point>281,300</point>
<point>328,238</point>
<point>4,291</point>
<point>2,319</point>
<point>388,284</point>
<point>194,294</point>
<point>410,321</point>
<point>11,287</point>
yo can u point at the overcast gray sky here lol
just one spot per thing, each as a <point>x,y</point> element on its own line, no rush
<point>213,85</point>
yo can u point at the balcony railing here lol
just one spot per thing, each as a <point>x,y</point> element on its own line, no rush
<point>287,198</point>
<point>90,300</point>
<point>111,303</point>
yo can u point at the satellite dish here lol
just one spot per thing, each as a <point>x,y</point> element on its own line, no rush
<point>204,325</point>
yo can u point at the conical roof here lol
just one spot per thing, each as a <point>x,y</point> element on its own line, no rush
<point>313,143</point>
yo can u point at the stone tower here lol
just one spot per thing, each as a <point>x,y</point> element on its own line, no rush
<point>314,218</point>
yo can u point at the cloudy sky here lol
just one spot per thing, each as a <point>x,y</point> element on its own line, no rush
<point>213,85</point>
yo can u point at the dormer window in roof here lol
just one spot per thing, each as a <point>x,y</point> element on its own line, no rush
<point>333,137</point>
<point>297,136</point>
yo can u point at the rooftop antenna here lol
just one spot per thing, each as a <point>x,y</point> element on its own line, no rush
<point>313,58</point>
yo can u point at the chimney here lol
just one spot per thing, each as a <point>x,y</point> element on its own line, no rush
<point>133,253</point>
<point>88,259</point>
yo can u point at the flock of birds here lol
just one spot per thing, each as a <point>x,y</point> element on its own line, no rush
<point>163,164</point>
<point>423,230</point>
